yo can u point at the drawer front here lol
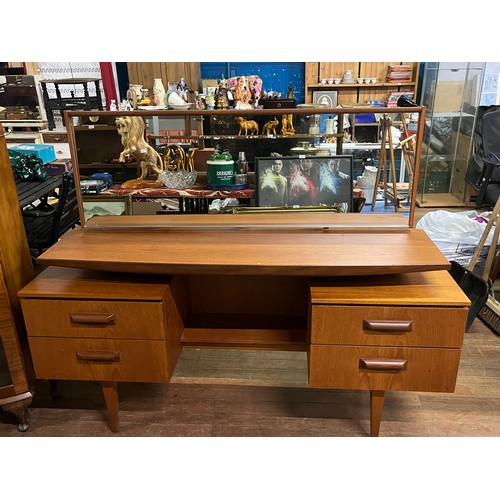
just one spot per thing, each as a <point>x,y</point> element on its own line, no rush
<point>100,359</point>
<point>93,319</point>
<point>383,368</point>
<point>388,326</point>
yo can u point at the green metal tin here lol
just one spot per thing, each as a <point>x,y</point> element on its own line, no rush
<point>220,170</point>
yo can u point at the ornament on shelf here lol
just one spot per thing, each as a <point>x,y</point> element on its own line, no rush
<point>158,93</point>
<point>134,95</point>
<point>182,89</point>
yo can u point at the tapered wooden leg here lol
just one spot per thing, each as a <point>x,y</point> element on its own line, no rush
<point>18,405</point>
<point>110,391</point>
<point>376,405</point>
<point>54,389</point>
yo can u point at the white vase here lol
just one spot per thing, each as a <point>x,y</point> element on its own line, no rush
<point>158,92</point>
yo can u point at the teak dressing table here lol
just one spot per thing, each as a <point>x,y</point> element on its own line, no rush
<point>374,307</point>
<point>367,296</point>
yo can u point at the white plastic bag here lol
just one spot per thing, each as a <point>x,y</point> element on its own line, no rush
<point>454,227</point>
<point>457,234</point>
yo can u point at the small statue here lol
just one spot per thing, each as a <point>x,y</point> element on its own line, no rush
<point>221,98</point>
<point>174,158</point>
<point>289,92</point>
<point>247,126</point>
<point>182,89</point>
<point>190,159</point>
<point>256,92</point>
<point>199,100</point>
<point>270,127</point>
<point>210,101</point>
<point>287,125</point>
<point>242,95</point>
<point>132,132</point>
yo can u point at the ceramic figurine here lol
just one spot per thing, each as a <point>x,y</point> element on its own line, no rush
<point>125,105</point>
<point>182,89</point>
<point>222,101</point>
<point>256,92</point>
<point>210,101</point>
<point>242,95</point>
<point>159,93</point>
<point>199,100</point>
<point>134,95</point>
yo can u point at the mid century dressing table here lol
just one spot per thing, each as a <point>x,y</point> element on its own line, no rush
<point>367,296</point>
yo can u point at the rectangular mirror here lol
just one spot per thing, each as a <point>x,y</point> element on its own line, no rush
<point>168,162</point>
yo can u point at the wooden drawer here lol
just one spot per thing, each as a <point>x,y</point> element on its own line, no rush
<point>388,326</point>
<point>94,319</point>
<point>356,367</point>
<point>79,359</point>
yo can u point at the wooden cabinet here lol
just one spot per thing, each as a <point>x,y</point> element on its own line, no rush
<point>16,374</point>
<point>400,333</point>
<point>104,327</point>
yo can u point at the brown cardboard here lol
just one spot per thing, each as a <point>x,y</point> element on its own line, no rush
<point>449,95</point>
<point>201,156</point>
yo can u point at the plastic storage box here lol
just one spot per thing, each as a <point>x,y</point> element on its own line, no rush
<point>44,151</point>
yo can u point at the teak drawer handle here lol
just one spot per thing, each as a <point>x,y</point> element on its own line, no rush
<point>98,355</point>
<point>383,364</point>
<point>93,318</point>
<point>388,326</point>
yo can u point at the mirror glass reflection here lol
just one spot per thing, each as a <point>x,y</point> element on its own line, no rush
<point>171,162</point>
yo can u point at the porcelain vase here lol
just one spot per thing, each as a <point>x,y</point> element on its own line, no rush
<point>159,92</point>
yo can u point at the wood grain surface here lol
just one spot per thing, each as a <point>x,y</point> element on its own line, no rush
<point>248,249</point>
<point>265,393</point>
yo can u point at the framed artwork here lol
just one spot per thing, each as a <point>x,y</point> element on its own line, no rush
<point>304,181</point>
<point>327,98</point>
<point>106,204</point>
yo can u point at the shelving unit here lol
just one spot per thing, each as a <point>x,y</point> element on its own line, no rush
<point>351,93</point>
<point>357,94</point>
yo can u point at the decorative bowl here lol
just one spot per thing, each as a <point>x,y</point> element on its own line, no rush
<point>180,106</point>
<point>178,179</point>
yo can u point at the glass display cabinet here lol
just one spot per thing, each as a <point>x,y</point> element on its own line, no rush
<point>451,92</point>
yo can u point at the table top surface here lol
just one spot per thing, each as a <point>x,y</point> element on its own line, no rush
<point>325,244</point>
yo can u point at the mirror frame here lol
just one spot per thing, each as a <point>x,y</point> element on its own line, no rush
<point>73,120</point>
